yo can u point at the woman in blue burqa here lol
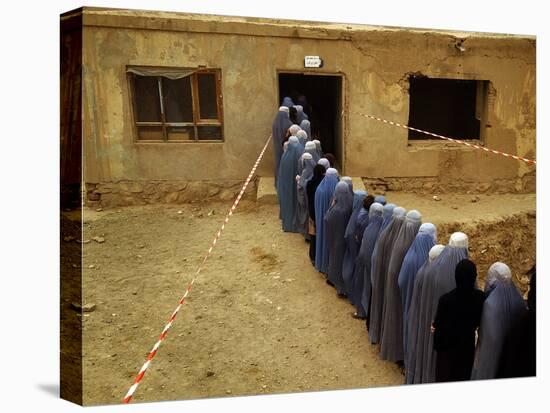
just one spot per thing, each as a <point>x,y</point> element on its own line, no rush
<point>502,308</point>
<point>306,126</point>
<point>287,101</point>
<point>439,280</point>
<point>413,374</point>
<point>391,342</point>
<point>415,258</point>
<point>279,129</point>
<point>363,262</point>
<point>354,234</point>
<point>286,184</point>
<point>323,199</point>
<point>306,172</point>
<point>336,220</point>
<point>310,148</point>
<point>380,262</point>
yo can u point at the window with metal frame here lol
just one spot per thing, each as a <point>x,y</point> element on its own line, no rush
<point>176,105</point>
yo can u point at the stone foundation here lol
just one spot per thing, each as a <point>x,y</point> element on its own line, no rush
<point>124,193</point>
<point>435,185</point>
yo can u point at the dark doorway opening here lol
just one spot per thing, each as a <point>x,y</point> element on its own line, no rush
<point>321,97</point>
<point>449,107</point>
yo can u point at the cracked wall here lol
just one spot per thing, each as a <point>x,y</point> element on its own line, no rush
<point>375,64</point>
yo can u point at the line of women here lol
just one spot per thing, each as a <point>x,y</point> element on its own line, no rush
<point>419,299</point>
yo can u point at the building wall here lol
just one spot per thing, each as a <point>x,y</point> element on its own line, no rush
<point>375,64</point>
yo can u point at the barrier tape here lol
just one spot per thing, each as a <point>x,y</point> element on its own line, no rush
<point>471,145</point>
<point>172,318</point>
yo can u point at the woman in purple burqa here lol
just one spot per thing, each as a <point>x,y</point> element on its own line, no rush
<point>415,258</point>
<point>439,280</point>
<point>335,223</point>
<point>323,199</point>
<point>380,263</point>
<point>360,294</point>
<point>502,308</point>
<point>412,321</point>
<point>279,129</point>
<point>391,341</point>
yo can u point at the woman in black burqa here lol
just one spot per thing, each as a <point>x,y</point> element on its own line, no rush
<point>457,318</point>
<point>311,186</point>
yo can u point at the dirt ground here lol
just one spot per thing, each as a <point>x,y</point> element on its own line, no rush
<point>259,319</point>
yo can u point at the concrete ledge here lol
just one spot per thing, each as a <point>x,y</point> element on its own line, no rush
<point>266,193</point>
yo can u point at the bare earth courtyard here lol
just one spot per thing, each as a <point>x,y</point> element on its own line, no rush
<point>260,319</point>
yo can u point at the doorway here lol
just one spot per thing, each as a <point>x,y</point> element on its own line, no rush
<point>321,97</point>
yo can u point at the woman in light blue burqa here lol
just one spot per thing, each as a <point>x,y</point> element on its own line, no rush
<point>415,258</point>
<point>323,199</point>
<point>301,218</point>
<point>318,147</point>
<point>361,290</point>
<point>381,199</point>
<point>439,280</point>
<point>387,216</point>
<point>286,184</point>
<point>391,342</point>
<point>502,308</point>
<point>380,262</point>
<point>306,126</point>
<point>336,220</point>
<point>310,148</point>
<point>300,115</point>
<point>287,102</point>
<point>412,373</point>
<point>279,128</point>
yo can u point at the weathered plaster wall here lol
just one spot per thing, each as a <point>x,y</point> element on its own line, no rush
<point>375,63</point>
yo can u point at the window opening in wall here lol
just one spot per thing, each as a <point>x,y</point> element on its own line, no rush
<point>451,107</point>
<point>176,105</point>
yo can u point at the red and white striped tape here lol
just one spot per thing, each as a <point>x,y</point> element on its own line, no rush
<point>162,336</point>
<point>471,145</point>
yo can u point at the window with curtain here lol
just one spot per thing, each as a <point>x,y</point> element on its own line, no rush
<point>176,105</point>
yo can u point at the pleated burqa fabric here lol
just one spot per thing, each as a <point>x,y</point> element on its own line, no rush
<point>415,258</point>
<point>439,280</point>
<point>323,199</point>
<point>336,220</point>
<point>286,184</point>
<point>352,245</point>
<point>301,217</point>
<point>279,128</point>
<point>502,308</point>
<point>379,267</point>
<point>360,294</point>
<point>412,373</point>
<point>391,341</point>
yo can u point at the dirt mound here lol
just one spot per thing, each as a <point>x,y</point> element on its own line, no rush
<point>510,239</point>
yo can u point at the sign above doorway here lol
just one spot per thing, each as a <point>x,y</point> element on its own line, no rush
<point>313,61</point>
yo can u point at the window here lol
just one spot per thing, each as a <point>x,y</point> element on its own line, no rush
<point>449,107</point>
<point>176,105</point>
